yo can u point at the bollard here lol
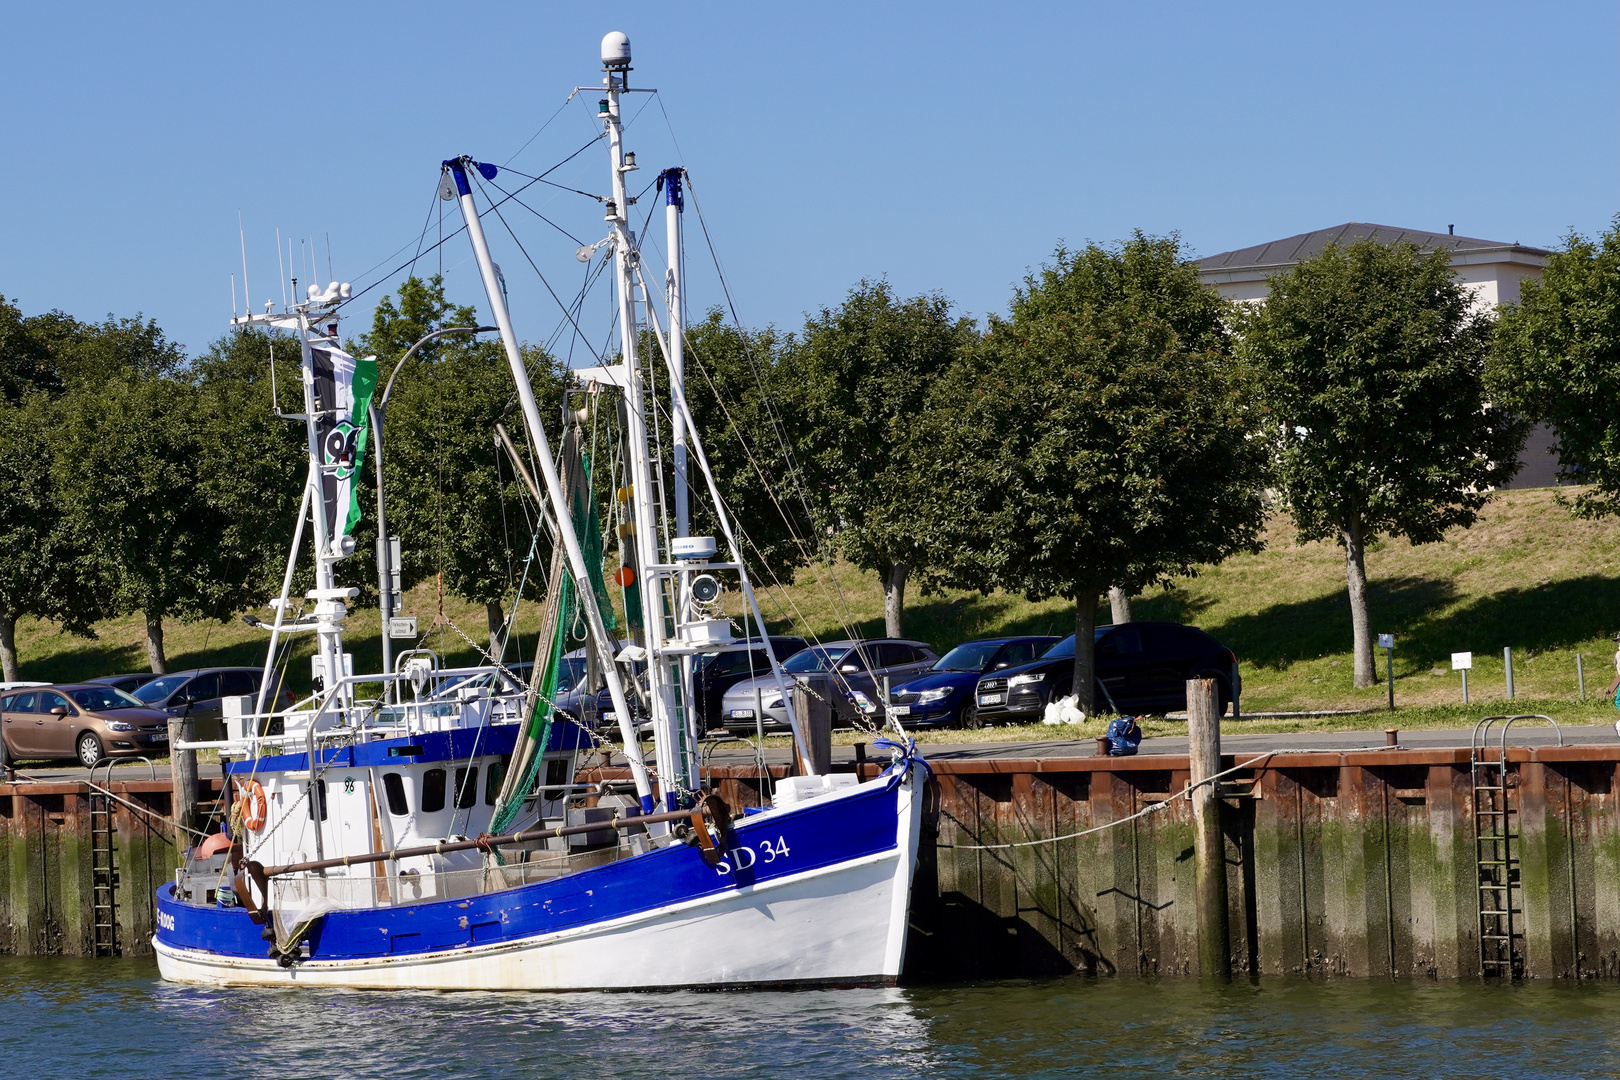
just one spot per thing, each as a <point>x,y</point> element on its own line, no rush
<point>183,781</point>
<point>1580,676</point>
<point>1507,667</point>
<point>1204,761</point>
<point>1102,746</point>
<point>1392,736</point>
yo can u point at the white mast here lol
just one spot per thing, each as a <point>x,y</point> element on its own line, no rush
<point>674,205</point>
<point>661,696</point>
<point>330,610</point>
<point>548,471</point>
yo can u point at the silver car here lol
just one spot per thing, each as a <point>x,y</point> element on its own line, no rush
<point>858,669</point>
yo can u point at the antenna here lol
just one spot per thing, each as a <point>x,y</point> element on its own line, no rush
<point>247,296</point>
<point>329,275</point>
<point>282,267</point>
<point>313,269</point>
<point>233,296</point>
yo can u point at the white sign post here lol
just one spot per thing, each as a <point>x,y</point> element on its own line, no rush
<point>1462,661</point>
<point>1387,643</point>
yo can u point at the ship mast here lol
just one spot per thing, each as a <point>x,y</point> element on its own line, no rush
<point>668,727</point>
<point>495,290</point>
<point>315,321</point>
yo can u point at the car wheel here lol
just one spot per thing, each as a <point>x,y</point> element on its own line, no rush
<point>90,752</point>
<point>967,717</point>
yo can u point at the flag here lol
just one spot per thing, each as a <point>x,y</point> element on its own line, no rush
<point>343,388</point>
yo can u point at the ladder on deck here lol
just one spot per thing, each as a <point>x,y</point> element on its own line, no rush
<point>103,876</point>
<point>1496,832</point>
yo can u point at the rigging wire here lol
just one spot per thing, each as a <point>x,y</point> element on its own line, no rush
<point>495,208</point>
<point>463,228</point>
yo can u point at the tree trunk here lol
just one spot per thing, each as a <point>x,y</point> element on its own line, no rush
<point>1355,562</point>
<point>8,647</point>
<point>1085,652</point>
<point>894,599</point>
<point>1120,601</point>
<point>154,643</point>
<point>497,623</point>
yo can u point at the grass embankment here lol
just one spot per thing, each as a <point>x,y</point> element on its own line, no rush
<point>1528,576</point>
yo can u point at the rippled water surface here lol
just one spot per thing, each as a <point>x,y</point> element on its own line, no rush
<point>115,1018</point>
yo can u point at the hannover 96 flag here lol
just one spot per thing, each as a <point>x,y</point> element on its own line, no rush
<point>343,387</point>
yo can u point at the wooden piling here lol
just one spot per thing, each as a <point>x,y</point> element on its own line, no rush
<point>1204,761</point>
<point>812,704</point>
<point>183,773</point>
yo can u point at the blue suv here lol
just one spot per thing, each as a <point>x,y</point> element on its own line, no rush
<point>944,693</point>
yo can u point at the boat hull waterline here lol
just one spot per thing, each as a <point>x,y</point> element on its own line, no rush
<point>821,898</point>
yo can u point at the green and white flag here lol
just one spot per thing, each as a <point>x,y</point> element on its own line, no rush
<point>343,389</point>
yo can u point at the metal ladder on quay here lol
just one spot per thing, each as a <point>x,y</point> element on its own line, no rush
<point>1495,813</point>
<point>103,869</point>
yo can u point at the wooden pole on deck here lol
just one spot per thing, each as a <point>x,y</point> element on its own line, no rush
<point>1204,761</point>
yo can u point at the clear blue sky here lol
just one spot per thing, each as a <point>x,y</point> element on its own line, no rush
<point>948,146</point>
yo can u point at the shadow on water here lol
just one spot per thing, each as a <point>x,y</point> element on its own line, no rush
<point>105,1018</point>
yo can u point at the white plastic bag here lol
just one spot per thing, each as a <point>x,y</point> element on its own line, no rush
<point>1064,711</point>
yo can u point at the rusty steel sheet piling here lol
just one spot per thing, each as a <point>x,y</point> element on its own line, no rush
<point>1357,863</point>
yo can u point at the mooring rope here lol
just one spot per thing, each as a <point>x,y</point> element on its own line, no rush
<point>1154,808</point>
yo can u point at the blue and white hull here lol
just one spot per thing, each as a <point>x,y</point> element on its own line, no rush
<point>816,893</point>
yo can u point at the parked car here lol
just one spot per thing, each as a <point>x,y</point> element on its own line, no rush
<point>87,721</point>
<point>127,683</point>
<point>944,693</point>
<point>1142,667</point>
<point>858,668</point>
<point>720,672</point>
<point>198,693</point>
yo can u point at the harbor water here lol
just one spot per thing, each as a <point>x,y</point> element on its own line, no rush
<point>115,1018</point>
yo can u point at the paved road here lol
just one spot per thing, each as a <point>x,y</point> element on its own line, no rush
<point>731,754</point>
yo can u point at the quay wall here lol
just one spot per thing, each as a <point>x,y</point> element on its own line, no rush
<point>1351,864</point>
<point>48,867</point>
<point>1356,864</point>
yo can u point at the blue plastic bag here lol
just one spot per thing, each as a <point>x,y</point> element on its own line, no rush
<point>1124,735</point>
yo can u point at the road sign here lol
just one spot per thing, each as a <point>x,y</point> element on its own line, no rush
<point>403,626</point>
<point>1462,661</point>
<point>1386,641</point>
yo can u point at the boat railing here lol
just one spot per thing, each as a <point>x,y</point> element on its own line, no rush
<point>373,887</point>
<point>340,712</point>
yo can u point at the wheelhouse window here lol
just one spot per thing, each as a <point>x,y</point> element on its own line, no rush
<point>466,787</point>
<point>433,791</point>
<point>394,791</point>
<point>495,777</point>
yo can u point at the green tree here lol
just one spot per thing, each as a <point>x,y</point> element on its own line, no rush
<point>252,464</point>
<point>128,476</point>
<point>41,571</point>
<point>1556,358</point>
<point>452,498</point>
<point>861,376</point>
<point>1101,435</point>
<point>735,381</point>
<point>1374,370</point>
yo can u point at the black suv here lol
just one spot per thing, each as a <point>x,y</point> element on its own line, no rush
<point>1142,667</point>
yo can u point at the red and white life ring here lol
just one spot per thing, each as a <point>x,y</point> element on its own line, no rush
<point>252,804</point>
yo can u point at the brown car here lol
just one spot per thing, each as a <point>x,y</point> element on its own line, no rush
<point>86,721</point>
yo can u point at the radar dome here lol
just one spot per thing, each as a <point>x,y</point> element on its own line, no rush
<point>616,50</point>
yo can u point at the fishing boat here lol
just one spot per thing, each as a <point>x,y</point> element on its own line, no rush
<point>434,833</point>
